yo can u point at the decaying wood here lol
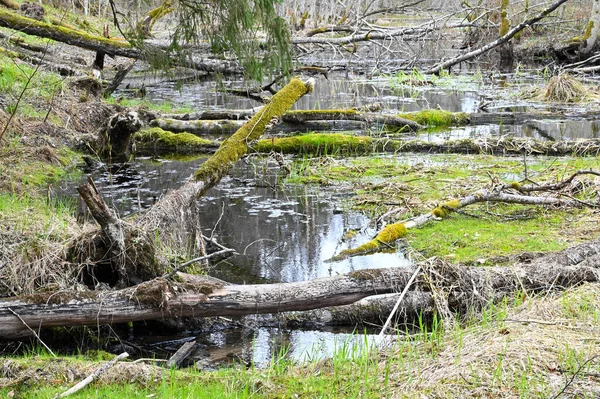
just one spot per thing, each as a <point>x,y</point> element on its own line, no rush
<point>390,121</point>
<point>158,299</point>
<point>487,145</point>
<point>112,47</point>
<point>513,193</point>
<point>370,311</point>
<point>112,227</point>
<point>290,121</point>
<point>509,35</point>
<point>97,373</point>
<point>181,354</point>
<point>467,288</point>
<point>118,134</point>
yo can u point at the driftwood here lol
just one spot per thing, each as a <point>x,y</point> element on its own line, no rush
<point>97,373</point>
<point>513,193</point>
<point>467,288</point>
<point>181,354</point>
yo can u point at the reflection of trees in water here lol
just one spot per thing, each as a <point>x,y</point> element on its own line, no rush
<point>283,248</point>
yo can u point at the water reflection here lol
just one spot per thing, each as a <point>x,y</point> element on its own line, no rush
<point>283,233</point>
<point>552,130</point>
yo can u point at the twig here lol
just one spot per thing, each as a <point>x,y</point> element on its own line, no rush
<point>189,262</point>
<point>575,374</point>
<point>97,373</point>
<point>34,333</point>
<point>397,305</point>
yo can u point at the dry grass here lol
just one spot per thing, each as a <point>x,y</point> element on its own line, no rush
<point>34,235</point>
<point>528,351</point>
<point>564,88</point>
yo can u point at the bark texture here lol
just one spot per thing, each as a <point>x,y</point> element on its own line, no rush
<point>464,288</point>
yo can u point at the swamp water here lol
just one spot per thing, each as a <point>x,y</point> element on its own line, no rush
<point>285,233</point>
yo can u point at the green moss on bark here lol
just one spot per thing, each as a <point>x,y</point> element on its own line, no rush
<point>446,208</point>
<point>236,146</point>
<point>317,143</point>
<point>386,237</point>
<point>157,140</point>
<point>437,117</point>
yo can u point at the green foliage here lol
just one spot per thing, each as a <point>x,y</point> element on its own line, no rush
<point>237,26</point>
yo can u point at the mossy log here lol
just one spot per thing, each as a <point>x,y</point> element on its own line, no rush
<point>155,141</point>
<point>174,221</point>
<point>97,43</point>
<point>319,143</point>
<point>211,127</point>
<point>62,70</point>
<point>512,193</point>
<point>77,38</point>
<point>372,119</point>
<point>467,289</point>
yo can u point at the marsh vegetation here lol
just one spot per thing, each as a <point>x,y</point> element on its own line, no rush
<point>241,179</point>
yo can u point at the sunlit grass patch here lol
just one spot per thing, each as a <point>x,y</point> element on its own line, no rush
<point>481,237</point>
<point>14,77</point>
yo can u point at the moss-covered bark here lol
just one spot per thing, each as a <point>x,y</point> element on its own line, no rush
<point>437,117</point>
<point>237,145</point>
<point>78,38</point>
<point>384,240</point>
<point>157,141</point>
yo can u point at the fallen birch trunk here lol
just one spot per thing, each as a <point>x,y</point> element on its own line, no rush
<point>150,142</point>
<point>467,288</point>
<point>504,39</point>
<point>290,121</point>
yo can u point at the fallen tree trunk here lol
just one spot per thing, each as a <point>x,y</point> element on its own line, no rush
<point>149,142</point>
<point>504,39</point>
<point>203,297</point>
<point>370,311</point>
<point>467,289</point>
<point>387,121</point>
<point>291,121</point>
<point>511,193</point>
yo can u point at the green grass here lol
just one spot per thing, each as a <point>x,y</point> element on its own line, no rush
<point>14,76</point>
<point>465,238</point>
